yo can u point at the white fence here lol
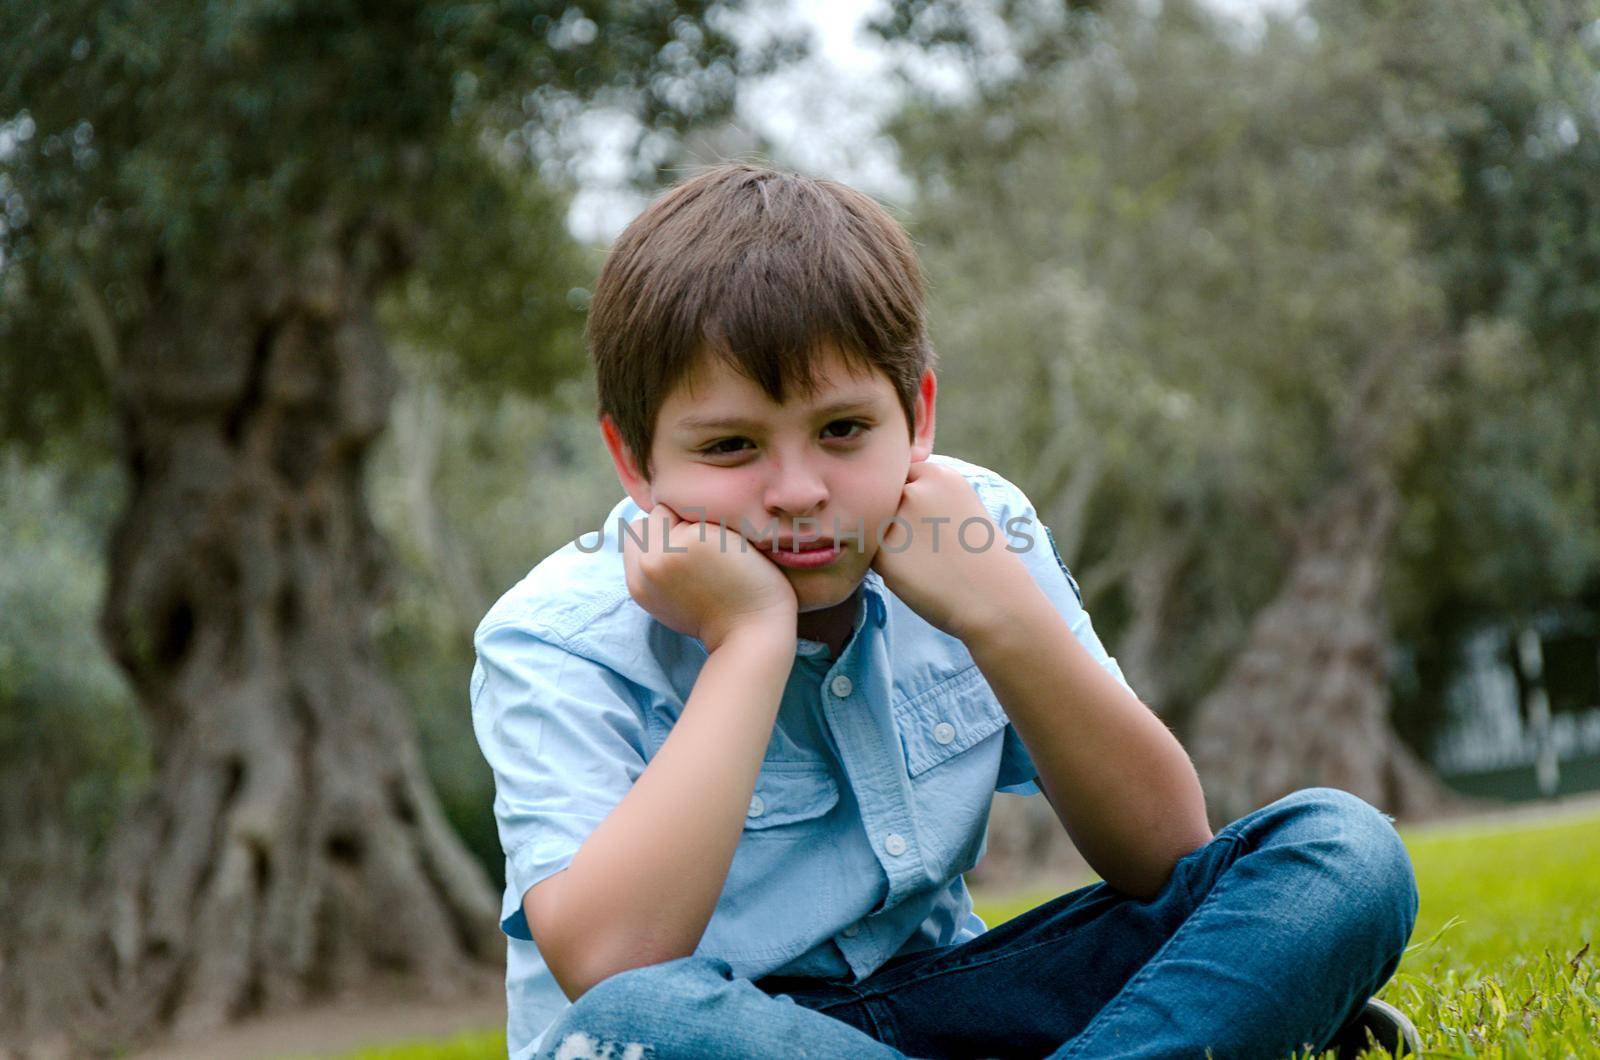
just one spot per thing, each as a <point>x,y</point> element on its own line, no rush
<point>1489,728</point>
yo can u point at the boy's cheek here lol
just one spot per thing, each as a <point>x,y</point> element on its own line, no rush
<point>864,549</point>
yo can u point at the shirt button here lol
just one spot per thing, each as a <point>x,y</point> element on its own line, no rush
<point>944,732</point>
<point>895,844</point>
<point>852,931</point>
<point>757,807</point>
<point>842,686</point>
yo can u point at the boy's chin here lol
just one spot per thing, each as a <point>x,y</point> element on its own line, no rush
<point>818,592</point>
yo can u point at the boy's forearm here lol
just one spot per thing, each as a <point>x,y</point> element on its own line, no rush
<point>1120,782</point>
<point>644,884</point>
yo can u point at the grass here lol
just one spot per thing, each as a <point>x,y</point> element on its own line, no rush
<point>1499,965</point>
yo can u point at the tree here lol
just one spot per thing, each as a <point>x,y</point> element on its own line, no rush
<point>235,207</point>
<point>1222,279</point>
<point>1506,516</point>
<point>1511,123</point>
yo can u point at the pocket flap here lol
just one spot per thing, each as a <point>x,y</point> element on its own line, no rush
<point>789,792</point>
<point>947,719</point>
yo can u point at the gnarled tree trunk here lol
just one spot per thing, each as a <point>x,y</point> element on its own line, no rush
<point>1306,701</point>
<point>290,848</point>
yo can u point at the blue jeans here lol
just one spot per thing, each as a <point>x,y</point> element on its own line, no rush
<point>1266,940</point>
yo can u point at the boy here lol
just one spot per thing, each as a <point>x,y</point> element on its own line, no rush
<point>745,739</point>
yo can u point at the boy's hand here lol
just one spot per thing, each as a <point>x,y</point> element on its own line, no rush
<point>706,581</point>
<point>961,590</point>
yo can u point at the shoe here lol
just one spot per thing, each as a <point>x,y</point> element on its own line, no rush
<point>1386,1025</point>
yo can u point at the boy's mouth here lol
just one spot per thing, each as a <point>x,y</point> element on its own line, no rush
<point>809,557</point>
<point>792,545</point>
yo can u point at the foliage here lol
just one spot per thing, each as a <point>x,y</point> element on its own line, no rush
<point>1159,249</point>
<point>198,202</point>
<point>155,146</point>
<point>1181,249</point>
<point>71,746</point>
<point>150,153</point>
<point>472,489</point>
<point>1182,243</point>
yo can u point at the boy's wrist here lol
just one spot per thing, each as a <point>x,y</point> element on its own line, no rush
<point>776,631</point>
<point>995,626</point>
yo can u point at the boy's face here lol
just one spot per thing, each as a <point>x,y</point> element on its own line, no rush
<point>823,466</point>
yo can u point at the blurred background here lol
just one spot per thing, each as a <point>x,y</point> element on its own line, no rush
<point>1286,315</point>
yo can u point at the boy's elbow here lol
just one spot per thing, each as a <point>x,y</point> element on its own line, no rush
<point>580,973</point>
<point>579,956</point>
<point>558,946</point>
<point>573,981</point>
<point>1149,879</point>
<point>575,970</point>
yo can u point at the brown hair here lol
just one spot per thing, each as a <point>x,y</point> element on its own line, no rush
<point>761,268</point>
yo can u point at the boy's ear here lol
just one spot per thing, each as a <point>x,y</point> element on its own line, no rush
<point>922,431</point>
<point>628,471</point>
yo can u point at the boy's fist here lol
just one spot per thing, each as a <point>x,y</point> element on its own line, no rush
<point>945,556</point>
<point>703,580</point>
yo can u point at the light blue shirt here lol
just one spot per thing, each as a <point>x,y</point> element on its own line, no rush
<point>874,792</point>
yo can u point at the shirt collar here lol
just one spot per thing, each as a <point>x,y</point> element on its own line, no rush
<point>876,592</point>
<point>871,606</point>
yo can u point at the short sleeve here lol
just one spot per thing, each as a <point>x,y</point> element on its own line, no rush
<point>1016,766</point>
<point>565,740</point>
<point>1034,544</point>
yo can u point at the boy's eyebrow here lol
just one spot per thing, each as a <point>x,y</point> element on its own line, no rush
<point>832,408</point>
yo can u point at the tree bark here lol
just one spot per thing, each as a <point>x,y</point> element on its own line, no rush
<point>290,847</point>
<point>1306,701</point>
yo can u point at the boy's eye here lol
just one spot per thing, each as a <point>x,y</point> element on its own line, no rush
<point>716,448</point>
<point>732,446</point>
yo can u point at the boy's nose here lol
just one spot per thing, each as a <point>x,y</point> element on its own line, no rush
<point>795,491</point>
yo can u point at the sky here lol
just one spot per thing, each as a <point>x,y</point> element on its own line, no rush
<point>824,114</point>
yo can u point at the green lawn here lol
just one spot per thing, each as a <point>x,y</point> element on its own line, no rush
<point>1499,965</point>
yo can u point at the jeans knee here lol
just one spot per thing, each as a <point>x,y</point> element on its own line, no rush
<point>613,1018</point>
<point>1369,855</point>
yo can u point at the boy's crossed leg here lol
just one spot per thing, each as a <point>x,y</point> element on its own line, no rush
<point>1264,941</point>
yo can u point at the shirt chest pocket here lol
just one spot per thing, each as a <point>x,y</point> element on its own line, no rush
<point>788,793</point>
<point>947,719</point>
<point>778,899</point>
